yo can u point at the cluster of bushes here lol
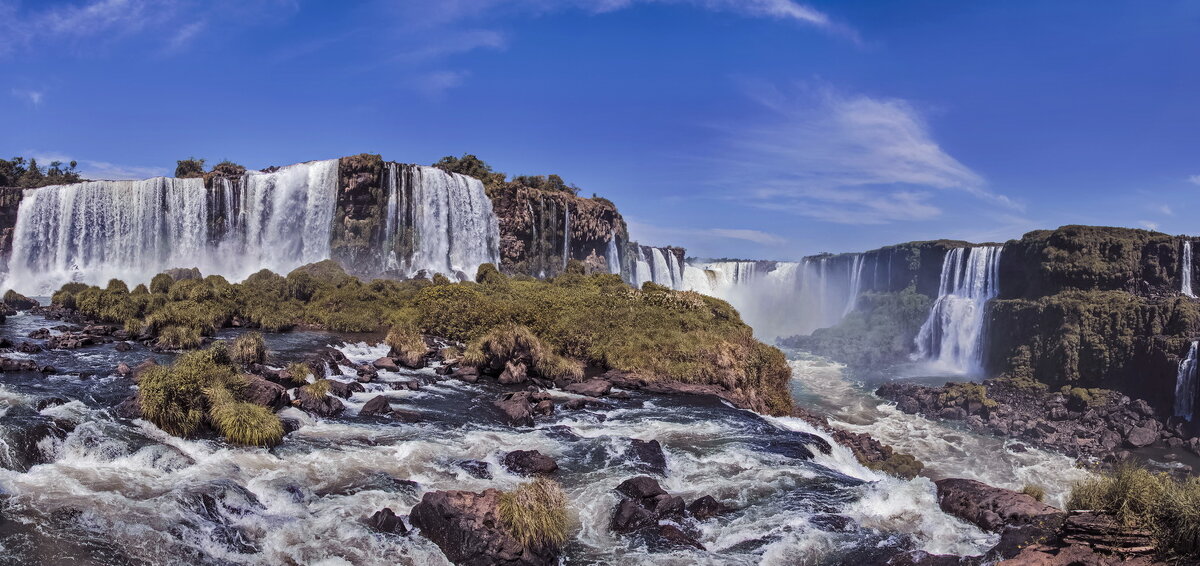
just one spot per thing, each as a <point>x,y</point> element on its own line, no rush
<point>1136,497</point>
<point>598,320</point>
<point>203,388</point>
<point>473,166</point>
<point>19,172</point>
<point>962,394</point>
<point>193,167</point>
<point>879,332</point>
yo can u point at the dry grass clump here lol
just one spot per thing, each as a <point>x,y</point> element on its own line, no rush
<point>249,348</point>
<point>1035,491</point>
<point>298,372</point>
<point>318,388</point>
<point>517,343</point>
<point>1137,497</point>
<point>535,513</point>
<point>243,423</point>
<point>407,344</point>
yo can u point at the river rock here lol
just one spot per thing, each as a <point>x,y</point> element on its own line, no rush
<point>992,508</point>
<point>11,364</point>
<point>378,405</point>
<point>345,389</point>
<point>477,469</point>
<point>386,364</point>
<point>514,373</point>
<point>123,346</point>
<point>467,527</point>
<point>590,388</point>
<point>467,374</point>
<point>516,407</point>
<point>644,505</point>
<point>647,456</point>
<point>264,393</point>
<point>1138,437</point>
<point>705,508</point>
<point>529,462</point>
<point>322,406</point>
<point>130,408</point>
<point>386,521</point>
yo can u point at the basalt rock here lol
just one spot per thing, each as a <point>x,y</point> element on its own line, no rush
<point>345,389</point>
<point>378,405</point>
<point>529,462</point>
<point>467,527</point>
<point>386,521</point>
<point>322,406</point>
<point>262,392</point>
<point>992,508</point>
<point>590,388</point>
<point>647,456</point>
<point>646,508</point>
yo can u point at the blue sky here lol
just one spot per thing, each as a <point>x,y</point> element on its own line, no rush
<point>739,128</point>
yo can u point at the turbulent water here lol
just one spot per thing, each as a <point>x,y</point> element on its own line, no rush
<point>104,491</point>
<point>782,298</point>
<point>280,220</point>
<point>952,336</point>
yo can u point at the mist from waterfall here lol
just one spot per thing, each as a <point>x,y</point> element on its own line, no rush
<point>1186,275</point>
<point>952,334</point>
<point>780,299</point>
<point>131,230</point>
<point>1185,385</point>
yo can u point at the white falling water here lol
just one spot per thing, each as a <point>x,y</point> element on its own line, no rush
<point>952,335</point>
<point>566,251</point>
<point>453,227</point>
<point>1186,276</point>
<point>642,271</point>
<point>612,255</point>
<point>780,299</point>
<point>1185,384</point>
<point>131,230</point>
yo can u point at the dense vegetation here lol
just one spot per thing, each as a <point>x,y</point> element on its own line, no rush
<point>19,172</point>
<point>472,166</point>
<point>204,388</point>
<point>597,320</point>
<point>1167,507</point>
<point>194,168</point>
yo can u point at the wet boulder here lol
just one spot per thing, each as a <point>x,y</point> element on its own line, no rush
<point>529,462</point>
<point>386,364</point>
<point>11,364</point>
<point>705,508</point>
<point>378,405</point>
<point>28,348</point>
<point>467,527</point>
<point>1139,437</point>
<point>322,406</point>
<point>647,456</point>
<point>264,393</point>
<point>467,374</point>
<point>345,389</point>
<point>516,407</point>
<point>644,506</point>
<point>477,469</point>
<point>992,508</point>
<point>386,521</point>
<point>590,388</point>
<point>366,373</point>
<point>130,408</point>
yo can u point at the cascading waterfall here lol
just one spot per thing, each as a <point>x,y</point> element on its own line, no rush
<point>450,225</point>
<point>952,334</point>
<point>566,251</point>
<point>612,255</point>
<point>782,299</point>
<point>642,271</point>
<point>130,230</point>
<point>1186,275</point>
<point>1185,384</point>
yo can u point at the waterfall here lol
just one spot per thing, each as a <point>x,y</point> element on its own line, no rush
<point>1186,276</point>
<point>566,235</point>
<point>131,230</point>
<point>452,225</point>
<point>660,269</point>
<point>781,299</point>
<point>952,334</point>
<point>1185,384</point>
<point>642,272</point>
<point>612,255</point>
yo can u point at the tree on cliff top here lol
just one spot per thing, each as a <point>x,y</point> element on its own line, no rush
<point>18,172</point>
<point>473,166</point>
<point>190,167</point>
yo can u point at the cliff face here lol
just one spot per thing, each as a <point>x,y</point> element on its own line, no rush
<point>892,269</point>
<point>360,214</point>
<point>540,230</point>
<point>10,201</point>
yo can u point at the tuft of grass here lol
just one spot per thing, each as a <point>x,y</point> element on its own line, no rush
<point>407,344</point>
<point>298,372</point>
<point>243,423</point>
<point>318,388</point>
<point>535,513</point>
<point>1034,491</point>
<point>179,337</point>
<point>1138,498</point>
<point>249,348</point>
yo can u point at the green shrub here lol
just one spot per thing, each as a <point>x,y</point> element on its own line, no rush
<point>179,337</point>
<point>298,373</point>
<point>243,423</point>
<point>172,397</point>
<point>318,388</point>
<point>249,348</point>
<point>535,513</point>
<point>161,283</point>
<point>487,274</point>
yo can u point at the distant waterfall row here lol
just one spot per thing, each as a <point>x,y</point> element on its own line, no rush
<point>131,230</point>
<point>953,333</point>
<point>783,298</point>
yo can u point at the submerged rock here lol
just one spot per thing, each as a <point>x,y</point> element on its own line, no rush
<point>467,527</point>
<point>647,456</point>
<point>477,469</point>
<point>643,508</point>
<point>378,405</point>
<point>386,521</point>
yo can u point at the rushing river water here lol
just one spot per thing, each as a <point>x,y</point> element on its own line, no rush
<point>98,490</point>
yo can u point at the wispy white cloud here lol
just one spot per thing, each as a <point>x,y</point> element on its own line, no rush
<point>1148,224</point>
<point>434,84</point>
<point>842,158</point>
<point>756,236</point>
<point>655,234</point>
<point>1194,179</point>
<point>34,97</point>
